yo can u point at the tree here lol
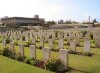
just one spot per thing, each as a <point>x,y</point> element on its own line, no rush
<point>68,22</point>
<point>61,22</point>
<point>74,22</point>
<point>50,23</point>
<point>94,21</point>
<point>86,22</point>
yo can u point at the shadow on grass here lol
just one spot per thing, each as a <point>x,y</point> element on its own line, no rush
<point>94,47</point>
<point>79,45</point>
<point>90,46</point>
<point>82,53</point>
<point>72,69</point>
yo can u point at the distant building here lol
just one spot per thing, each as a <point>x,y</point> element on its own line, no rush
<point>23,21</point>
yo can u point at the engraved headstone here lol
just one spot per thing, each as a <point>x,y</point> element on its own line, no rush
<point>46,54</point>
<point>64,57</point>
<point>33,51</point>
<point>73,46</point>
<point>21,50</point>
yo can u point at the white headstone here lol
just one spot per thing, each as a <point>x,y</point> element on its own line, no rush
<point>42,42</point>
<point>3,43</point>
<point>33,41</point>
<point>87,46</point>
<point>26,38</point>
<point>73,46</point>
<point>61,43</point>
<point>64,57</point>
<point>51,43</point>
<point>12,47</point>
<point>46,54</point>
<point>21,50</point>
<point>33,51</point>
<point>21,39</point>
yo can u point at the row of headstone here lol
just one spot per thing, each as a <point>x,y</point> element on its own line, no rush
<point>72,38</point>
<point>63,54</point>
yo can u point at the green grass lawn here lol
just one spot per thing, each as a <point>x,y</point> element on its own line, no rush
<point>77,63</point>
<point>12,66</point>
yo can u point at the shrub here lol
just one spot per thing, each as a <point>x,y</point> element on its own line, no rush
<point>16,43</point>
<point>28,43</point>
<point>13,26</point>
<point>55,65</point>
<point>7,40</point>
<point>40,64</point>
<point>40,47</point>
<point>56,33</point>
<point>50,37</point>
<point>30,61</point>
<point>35,62</point>
<point>1,39</point>
<point>0,36</point>
<point>27,60</point>
<point>6,52</point>
<point>25,28</point>
<point>19,58</point>
<point>55,50</point>
<point>84,33</point>
<point>91,35</point>
<point>0,52</point>
<point>65,39</point>
<point>23,38</point>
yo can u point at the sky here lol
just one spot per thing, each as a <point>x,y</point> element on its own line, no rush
<point>76,10</point>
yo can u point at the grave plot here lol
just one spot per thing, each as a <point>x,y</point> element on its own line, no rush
<point>77,51</point>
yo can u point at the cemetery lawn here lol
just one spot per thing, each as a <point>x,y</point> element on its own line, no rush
<point>12,66</point>
<point>77,63</point>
